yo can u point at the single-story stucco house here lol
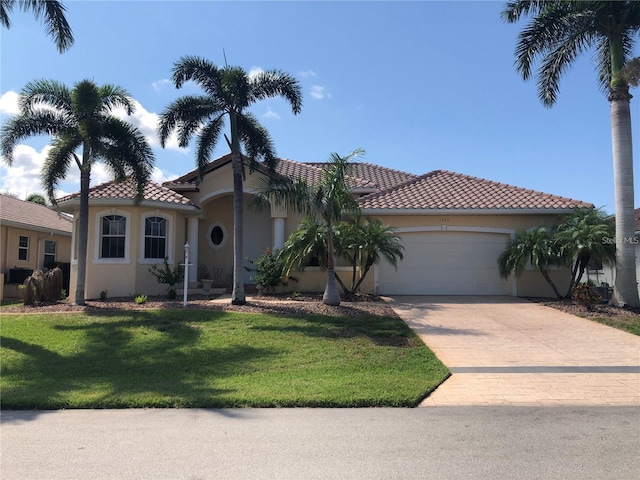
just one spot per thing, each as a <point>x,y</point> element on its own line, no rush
<point>453,228</point>
<point>32,237</point>
<point>606,274</point>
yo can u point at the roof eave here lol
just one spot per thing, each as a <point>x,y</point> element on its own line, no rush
<point>127,202</point>
<point>36,228</point>
<point>466,211</point>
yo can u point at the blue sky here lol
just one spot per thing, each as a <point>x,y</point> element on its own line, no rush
<point>419,85</point>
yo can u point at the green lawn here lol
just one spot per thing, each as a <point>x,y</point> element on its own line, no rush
<point>628,324</point>
<point>200,358</point>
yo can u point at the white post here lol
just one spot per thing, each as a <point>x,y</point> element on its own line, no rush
<point>278,233</point>
<point>192,239</point>
<point>186,274</point>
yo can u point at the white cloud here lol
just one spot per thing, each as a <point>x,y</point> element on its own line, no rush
<point>307,74</point>
<point>254,72</point>
<point>159,85</point>
<point>271,114</point>
<point>319,93</point>
<point>9,103</point>
<point>147,123</point>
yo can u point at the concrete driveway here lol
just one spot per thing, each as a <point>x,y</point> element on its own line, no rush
<point>508,351</point>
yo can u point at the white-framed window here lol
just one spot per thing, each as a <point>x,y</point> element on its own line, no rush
<point>113,237</point>
<point>49,252</point>
<point>23,248</point>
<point>217,235</point>
<point>156,238</point>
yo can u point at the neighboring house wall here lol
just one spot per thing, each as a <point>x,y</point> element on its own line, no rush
<point>31,236</point>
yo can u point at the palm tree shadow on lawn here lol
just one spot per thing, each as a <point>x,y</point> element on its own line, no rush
<point>111,368</point>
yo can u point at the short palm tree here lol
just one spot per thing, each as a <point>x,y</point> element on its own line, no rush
<point>228,93</point>
<point>583,237</point>
<point>80,118</point>
<point>536,247</point>
<point>306,243</point>
<point>325,202</point>
<point>52,11</point>
<point>558,32</point>
<point>364,244</point>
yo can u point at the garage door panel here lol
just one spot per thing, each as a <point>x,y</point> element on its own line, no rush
<point>446,263</point>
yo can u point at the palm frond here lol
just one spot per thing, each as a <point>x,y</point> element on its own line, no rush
<point>56,165</point>
<point>207,141</point>
<point>50,93</point>
<point>199,70</point>
<point>6,7</point>
<point>257,142</point>
<point>275,83</point>
<point>38,123</point>
<point>187,114</point>
<point>114,96</point>
<point>127,153</point>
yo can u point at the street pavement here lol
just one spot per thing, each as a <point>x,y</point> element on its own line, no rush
<point>534,394</point>
<point>281,444</point>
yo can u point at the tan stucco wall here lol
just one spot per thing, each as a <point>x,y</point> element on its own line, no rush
<point>124,277</point>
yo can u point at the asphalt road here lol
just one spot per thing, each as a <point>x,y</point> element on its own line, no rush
<point>426,443</point>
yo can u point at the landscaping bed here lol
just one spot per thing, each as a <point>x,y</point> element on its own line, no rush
<point>280,303</point>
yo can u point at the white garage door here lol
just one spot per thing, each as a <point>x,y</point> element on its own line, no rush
<point>446,263</point>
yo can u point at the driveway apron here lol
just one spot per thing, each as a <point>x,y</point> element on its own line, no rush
<point>505,350</point>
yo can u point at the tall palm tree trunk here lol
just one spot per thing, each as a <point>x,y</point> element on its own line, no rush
<point>237,294</point>
<point>331,294</point>
<point>625,290</point>
<point>83,230</point>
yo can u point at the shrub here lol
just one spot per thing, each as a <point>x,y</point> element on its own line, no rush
<point>140,299</point>
<point>43,286</point>
<point>586,296</point>
<point>103,295</point>
<point>168,276</point>
<point>269,270</point>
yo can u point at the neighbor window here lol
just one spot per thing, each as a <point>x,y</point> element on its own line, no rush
<point>49,253</point>
<point>155,237</point>
<point>595,264</point>
<point>23,248</point>
<point>113,236</point>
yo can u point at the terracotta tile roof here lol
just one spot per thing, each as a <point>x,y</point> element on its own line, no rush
<point>285,167</point>
<point>637,214</point>
<point>381,177</point>
<point>126,191</point>
<point>441,189</point>
<point>32,216</point>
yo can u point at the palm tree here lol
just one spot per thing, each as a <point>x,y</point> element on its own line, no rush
<point>307,243</point>
<point>53,13</point>
<point>80,118</point>
<point>325,202</point>
<point>229,92</point>
<point>365,244</point>
<point>558,32</point>
<point>536,247</point>
<point>581,238</point>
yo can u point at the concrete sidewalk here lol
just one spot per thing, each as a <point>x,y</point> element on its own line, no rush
<point>508,351</point>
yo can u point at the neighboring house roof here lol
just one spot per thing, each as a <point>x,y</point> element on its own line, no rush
<point>112,193</point>
<point>444,190</point>
<point>33,216</point>
<point>382,177</point>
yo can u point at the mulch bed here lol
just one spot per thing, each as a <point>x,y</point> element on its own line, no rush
<point>601,310</point>
<point>280,304</point>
